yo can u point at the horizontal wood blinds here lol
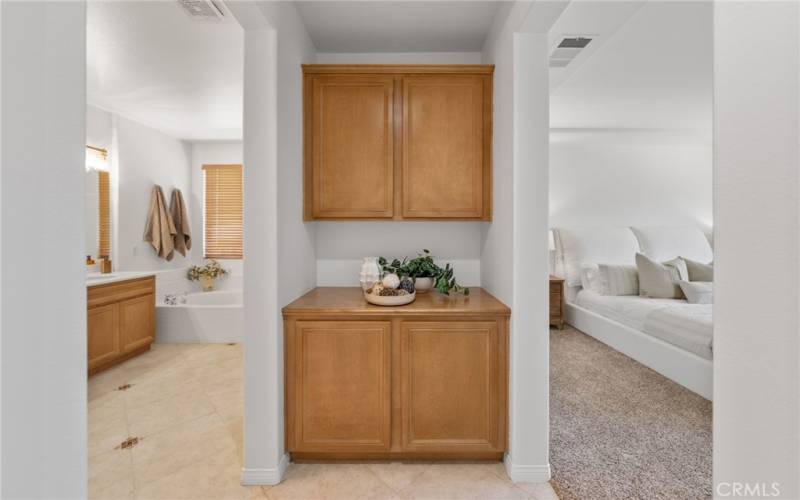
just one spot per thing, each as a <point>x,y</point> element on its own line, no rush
<point>104,215</point>
<point>223,213</point>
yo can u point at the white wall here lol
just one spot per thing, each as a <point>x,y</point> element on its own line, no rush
<point>606,177</point>
<point>279,248</point>
<point>631,136</point>
<point>497,237</point>
<point>145,157</point>
<point>140,157</point>
<point>99,127</point>
<point>399,58</point>
<point>757,180</point>
<point>514,261</point>
<point>43,292</point>
<point>340,245</point>
<point>209,153</point>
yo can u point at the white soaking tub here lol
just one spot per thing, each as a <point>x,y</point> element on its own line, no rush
<point>201,317</point>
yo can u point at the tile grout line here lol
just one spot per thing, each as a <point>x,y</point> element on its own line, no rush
<point>404,488</point>
<point>367,466</point>
<point>128,433</point>
<point>127,424</point>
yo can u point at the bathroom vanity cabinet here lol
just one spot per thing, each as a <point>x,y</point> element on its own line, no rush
<point>427,380</point>
<point>120,321</point>
<point>399,142</point>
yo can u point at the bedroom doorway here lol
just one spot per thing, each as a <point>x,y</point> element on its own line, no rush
<point>631,217</point>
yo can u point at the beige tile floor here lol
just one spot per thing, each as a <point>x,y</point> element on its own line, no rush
<point>184,404</point>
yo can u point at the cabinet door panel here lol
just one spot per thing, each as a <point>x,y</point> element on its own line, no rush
<point>443,146</point>
<point>451,385</point>
<point>136,322</point>
<point>352,152</point>
<point>102,335</point>
<point>342,386</point>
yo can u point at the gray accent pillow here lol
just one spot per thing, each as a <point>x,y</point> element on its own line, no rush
<point>699,271</point>
<point>660,281</point>
<point>698,292</point>
<point>619,279</point>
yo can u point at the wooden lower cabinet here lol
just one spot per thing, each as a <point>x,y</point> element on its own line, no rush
<point>342,377</point>
<point>450,386</point>
<point>120,321</point>
<point>103,340</point>
<point>137,322</point>
<point>373,383</point>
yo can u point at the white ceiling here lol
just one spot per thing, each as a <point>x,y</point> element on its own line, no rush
<point>398,26</point>
<point>653,71</point>
<point>150,62</point>
<point>650,66</point>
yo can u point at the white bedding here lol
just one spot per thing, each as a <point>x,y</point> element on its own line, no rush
<point>688,326</point>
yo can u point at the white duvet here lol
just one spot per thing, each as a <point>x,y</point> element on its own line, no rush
<point>688,326</point>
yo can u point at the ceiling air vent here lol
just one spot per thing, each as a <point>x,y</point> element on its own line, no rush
<point>568,49</point>
<point>574,42</point>
<point>202,10</point>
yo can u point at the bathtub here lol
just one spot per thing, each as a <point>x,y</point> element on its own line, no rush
<point>205,317</point>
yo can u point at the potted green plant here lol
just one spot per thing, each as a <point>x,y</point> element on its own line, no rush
<point>206,274</point>
<point>425,273</point>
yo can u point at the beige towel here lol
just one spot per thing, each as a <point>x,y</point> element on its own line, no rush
<point>160,230</point>
<point>183,237</point>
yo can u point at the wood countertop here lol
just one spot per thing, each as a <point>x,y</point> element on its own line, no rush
<point>350,300</point>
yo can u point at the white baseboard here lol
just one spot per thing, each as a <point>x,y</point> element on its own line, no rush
<point>257,477</point>
<point>527,473</point>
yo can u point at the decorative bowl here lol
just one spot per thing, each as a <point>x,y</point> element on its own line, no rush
<point>423,285</point>
<point>390,300</point>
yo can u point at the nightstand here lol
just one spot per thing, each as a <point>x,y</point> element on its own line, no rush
<point>556,302</point>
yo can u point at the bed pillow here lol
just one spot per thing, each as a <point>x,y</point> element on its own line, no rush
<point>698,292</point>
<point>590,278</point>
<point>660,280</point>
<point>610,279</point>
<point>699,271</point>
<point>575,246</point>
<point>619,279</point>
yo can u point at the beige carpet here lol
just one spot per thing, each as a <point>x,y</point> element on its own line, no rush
<point>619,430</point>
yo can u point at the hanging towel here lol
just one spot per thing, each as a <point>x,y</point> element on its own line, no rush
<point>183,236</point>
<point>160,230</point>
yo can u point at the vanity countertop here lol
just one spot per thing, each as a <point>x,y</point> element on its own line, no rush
<point>94,279</point>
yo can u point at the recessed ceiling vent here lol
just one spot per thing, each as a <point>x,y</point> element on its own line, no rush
<point>202,10</point>
<point>568,49</point>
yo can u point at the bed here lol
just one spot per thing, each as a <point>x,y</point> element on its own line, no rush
<point>670,336</point>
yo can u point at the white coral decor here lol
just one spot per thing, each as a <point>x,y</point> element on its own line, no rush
<point>391,281</point>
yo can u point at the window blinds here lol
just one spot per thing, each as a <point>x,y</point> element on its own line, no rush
<point>104,215</point>
<point>223,212</point>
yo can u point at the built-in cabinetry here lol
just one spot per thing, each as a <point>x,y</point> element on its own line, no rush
<point>120,321</point>
<point>397,142</point>
<point>426,380</point>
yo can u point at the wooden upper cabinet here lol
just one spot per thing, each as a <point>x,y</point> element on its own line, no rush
<point>444,146</point>
<point>398,142</point>
<point>349,125</point>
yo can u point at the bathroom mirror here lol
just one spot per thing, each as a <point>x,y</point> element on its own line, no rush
<point>98,204</point>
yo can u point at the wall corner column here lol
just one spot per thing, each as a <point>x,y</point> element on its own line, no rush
<point>528,458</point>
